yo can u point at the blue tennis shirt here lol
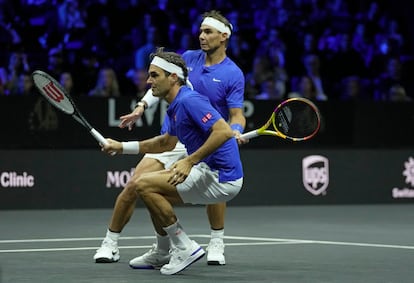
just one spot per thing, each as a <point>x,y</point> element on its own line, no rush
<point>193,128</point>
<point>222,83</point>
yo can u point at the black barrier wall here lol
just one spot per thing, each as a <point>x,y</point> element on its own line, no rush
<point>57,179</point>
<point>363,154</point>
<point>32,123</point>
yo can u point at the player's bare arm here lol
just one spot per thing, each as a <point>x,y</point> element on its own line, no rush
<point>128,120</point>
<point>156,144</point>
<point>220,133</point>
<point>237,118</point>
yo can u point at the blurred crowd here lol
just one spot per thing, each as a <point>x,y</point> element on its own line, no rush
<point>319,49</point>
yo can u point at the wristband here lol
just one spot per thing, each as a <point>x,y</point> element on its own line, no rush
<point>131,147</point>
<point>140,103</point>
<point>237,127</point>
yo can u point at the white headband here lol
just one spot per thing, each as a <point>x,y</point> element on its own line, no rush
<point>221,27</point>
<point>167,66</point>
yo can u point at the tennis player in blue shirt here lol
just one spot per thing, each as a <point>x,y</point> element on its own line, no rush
<point>216,76</point>
<point>210,173</point>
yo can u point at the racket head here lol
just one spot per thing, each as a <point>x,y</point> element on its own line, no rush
<point>53,91</point>
<point>296,119</point>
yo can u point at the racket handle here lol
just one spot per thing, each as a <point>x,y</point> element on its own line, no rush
<point>98,137</point>
<point>249,135</point>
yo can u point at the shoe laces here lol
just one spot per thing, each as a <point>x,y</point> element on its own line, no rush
<point>215,244</point>
<point>152,250</point>
<point>109,243</point>
<point>175,255</point>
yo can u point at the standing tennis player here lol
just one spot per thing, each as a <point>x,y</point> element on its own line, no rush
<point>210,173</point>
<point>212,74</point>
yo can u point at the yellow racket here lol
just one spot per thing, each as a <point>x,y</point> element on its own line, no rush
<point>295,119</point>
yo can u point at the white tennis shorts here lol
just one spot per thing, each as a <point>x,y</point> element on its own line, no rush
<point>202,185</point>
<point>168,158</point>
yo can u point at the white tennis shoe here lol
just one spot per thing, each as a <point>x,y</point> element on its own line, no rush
<point>182,258</point>
<point>153,259</point>
<point>107,253</point>
<point>215,252</point>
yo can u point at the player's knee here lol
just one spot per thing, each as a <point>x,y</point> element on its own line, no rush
<point>140,185</point>
<point>128,194</point>
<point>130,190</point>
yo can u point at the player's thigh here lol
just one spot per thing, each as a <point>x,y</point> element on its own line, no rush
<point>148,165</point>
<point>145,165</point>
<point>157,182</point>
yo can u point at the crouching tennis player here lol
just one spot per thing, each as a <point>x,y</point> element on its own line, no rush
<point>211,173</point>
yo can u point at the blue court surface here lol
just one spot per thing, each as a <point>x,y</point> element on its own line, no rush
<point>349,243</point>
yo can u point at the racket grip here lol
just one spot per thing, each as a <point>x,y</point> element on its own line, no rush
<point>98,137</point>
<point>249,135</point>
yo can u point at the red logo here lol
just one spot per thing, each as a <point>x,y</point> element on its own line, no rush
<point>53,92</point>
<point>207,117</point>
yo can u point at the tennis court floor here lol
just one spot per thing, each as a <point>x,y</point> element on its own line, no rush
<point>344,243</point>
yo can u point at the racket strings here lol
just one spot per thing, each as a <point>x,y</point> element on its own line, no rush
<point>297,119</point>
<point>53,92</point>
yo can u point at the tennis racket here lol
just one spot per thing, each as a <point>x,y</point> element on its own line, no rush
<point>295,119</point>
<point>54,92</point>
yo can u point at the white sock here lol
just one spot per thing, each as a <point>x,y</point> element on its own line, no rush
<point>163,243</point>
<point>217,234</point>
<point>177,235</point>
<point>113,236</point>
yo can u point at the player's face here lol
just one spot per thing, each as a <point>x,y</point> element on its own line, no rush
<point>210,38</point>
<point>159,82</point>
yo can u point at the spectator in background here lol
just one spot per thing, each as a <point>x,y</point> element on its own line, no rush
<point>303,87</point>
<point>87,70</point>
<point>185,42</point>
<point>288,28</point>
<point>269,90</point>
<point>313,70</point>
<point>343,56</point>
<point>138,83</point>
<point>280,76</point>
<point>106,85</point>
<point>392,76</point>
<point>56,62</point>
<point>397,93</point>
<point>18,64</point>
<point>382,51</point>
<point>240,51</point>
<point>143,52</point>
<point>394,34</point>
<point>25,85</point>
<point>351,89</point>
<point>361,40</point>
<point>66,80</point>
<point>273,46</point>
<point>103,38</point>
<point>3,81</point>
<point>64,24</point>
<point>8,35</point>
<point>261,70</point>
<point>71,16</point>
<point>307,44</point>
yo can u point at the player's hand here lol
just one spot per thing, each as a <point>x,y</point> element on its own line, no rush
<point>180,171</point>
<point>240,141</point>
<point>113,147</point>
<point>129,120</point>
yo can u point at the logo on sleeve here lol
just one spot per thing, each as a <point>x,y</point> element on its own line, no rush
<point>206,117</point>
